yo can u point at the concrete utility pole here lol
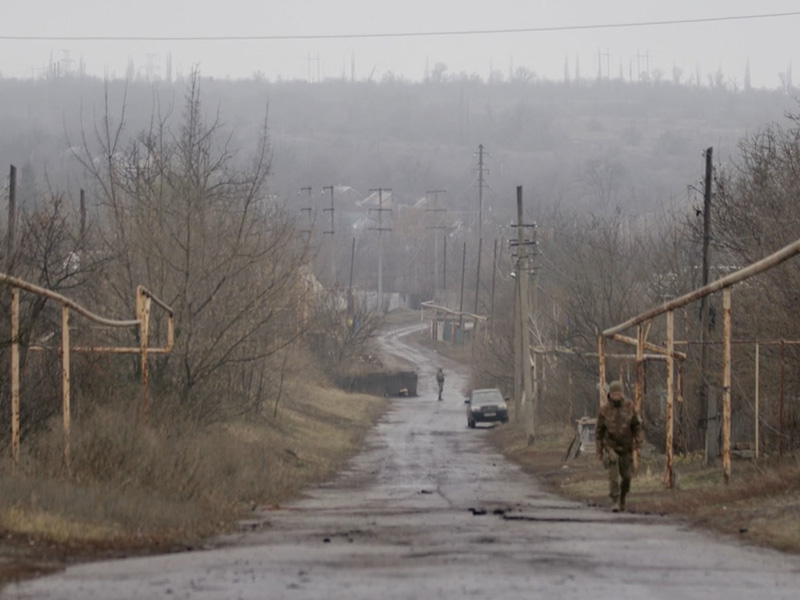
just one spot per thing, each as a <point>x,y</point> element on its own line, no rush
<point>309,210</point>
<point>380,229</point>
<point>350,303</point>
<point>523,350</point>
<point>331,232</point>
<point>481,171</point>
<point>707,405</point>
<point>444,269</point>
<point>436,229</point>
<point>478,279</point>
<point>461,301</point>
<point>494,279</point>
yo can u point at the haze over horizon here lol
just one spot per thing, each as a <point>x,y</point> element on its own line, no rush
<point>315,40</point>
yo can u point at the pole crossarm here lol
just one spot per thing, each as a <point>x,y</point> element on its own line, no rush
<point>647,346</point>
<point>756,268</point>
<point>429,305</point>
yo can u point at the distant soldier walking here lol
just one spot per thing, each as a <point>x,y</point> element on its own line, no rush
<point>440,381</point>
<point>619,433</point>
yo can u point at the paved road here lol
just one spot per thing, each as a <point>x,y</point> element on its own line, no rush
<point>401,522</point>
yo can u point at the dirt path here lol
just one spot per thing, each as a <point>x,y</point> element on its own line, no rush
<point>428,510</point>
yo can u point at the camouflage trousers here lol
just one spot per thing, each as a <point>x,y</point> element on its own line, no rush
<point>620,472</point>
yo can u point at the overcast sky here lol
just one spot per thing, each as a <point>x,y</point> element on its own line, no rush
<point>770,45</point>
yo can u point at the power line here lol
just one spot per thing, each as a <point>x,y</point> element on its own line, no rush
<point>402,34</point>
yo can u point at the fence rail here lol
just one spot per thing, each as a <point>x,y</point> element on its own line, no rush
<point>144,301</point>
<point>725,284</point>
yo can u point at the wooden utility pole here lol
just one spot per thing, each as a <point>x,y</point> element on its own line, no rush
<point>707,406</point>
<point>726,384</point>
<point>12,218</point>
<point>669,478</point>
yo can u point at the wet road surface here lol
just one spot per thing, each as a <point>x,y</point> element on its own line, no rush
<point>429,510</point>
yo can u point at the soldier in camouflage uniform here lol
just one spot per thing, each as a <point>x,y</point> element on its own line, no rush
<point>618,434</point>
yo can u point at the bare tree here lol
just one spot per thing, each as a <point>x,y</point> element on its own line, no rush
<point>182,218</point>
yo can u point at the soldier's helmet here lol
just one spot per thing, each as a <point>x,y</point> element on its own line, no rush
<point>615,386</point>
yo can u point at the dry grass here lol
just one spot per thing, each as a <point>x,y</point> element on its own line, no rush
<point>761,504</point>
<point>175,482</point>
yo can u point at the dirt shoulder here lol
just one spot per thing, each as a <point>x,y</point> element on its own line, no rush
<point>760,505</point>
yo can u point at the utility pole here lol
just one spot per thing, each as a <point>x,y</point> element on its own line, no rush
<point>350,303</point>
<point>523,350</point>
<point>309,210</point>
<point>707,406</point>
<point>461,301</point>
<point>444,269</point>
<point>380,229</point>
<point>494,279</point>
<point>331,232</point>
<point>436,229</point>
<point>12,219</point>
<point>481,171</point>
<point>478,279</point>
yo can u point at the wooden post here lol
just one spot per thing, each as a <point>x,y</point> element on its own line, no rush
<point>669,478</point>
<point>601,367</point>
<point>726,384</point>
<point>65,388</point>
<point>756,403</point>
<point>15,375</point>
<point>637,390</point>
<point>143,314</point>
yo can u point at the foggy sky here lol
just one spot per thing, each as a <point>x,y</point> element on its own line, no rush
<point>769,44</point>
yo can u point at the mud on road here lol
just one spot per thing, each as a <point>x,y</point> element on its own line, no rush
<point>429,510</point>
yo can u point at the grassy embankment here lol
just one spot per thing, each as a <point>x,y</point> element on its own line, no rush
<point>165,486</point>
<point>760,505</point>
